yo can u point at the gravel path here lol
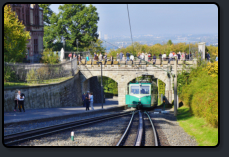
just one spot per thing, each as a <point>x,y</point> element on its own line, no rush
<point>132,135</point>
<point>105,133</point>
<point>15,128</point>
<point>169,131</point>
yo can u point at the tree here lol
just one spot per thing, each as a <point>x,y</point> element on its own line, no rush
<point>15,37</point>
<point>49,57</point>
<point>96,47</point>
<point>74,21</point>
<point>47,13</point>
<point>169,42</point>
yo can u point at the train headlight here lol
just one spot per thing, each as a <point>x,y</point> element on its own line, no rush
<point>139,99</point>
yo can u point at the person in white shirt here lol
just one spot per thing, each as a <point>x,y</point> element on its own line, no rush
<point>20,101</point>
<point>164,57</point>
<point>131,57</point>
<point>170,56</point>
<point>91,100</point>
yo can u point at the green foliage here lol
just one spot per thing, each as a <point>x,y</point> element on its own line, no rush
<point>15,37</point>
<point>9,75</point>
<point>47,13</point>
<point>161,90</point>
<point>109,85</point>
<point>42,73</point>
<point>74,21</point>
<point>32,76</point>
<point>199,91</point>
<point>49,57</point>
<point>169,42</point>
<point>96,47</point>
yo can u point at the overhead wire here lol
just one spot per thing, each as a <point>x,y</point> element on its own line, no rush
<point>130,27</point>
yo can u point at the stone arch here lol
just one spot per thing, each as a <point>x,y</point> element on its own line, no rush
<point>108,74</point>
<point>158,75</point>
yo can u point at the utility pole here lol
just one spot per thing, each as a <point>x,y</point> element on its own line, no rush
<point>175,87</point>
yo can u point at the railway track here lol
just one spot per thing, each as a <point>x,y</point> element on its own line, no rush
<point>17,138</point>
<point>139,135</point>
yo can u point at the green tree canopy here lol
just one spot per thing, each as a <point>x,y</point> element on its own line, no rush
<point>47,13</point>
<point>15,37</point>
<point>74,21</point>
<point>169,42</point>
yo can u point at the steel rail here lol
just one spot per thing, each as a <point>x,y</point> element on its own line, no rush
<point>138,141</point>
<point>22,136</point>
<point>154,130</point>
<point>126,131</point>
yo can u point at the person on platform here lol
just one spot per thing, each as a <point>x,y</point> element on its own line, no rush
<point>170,56</point>
<point>83,99</point>
<point>146,57</point>
<point>20,99</point>
<point>87,101</point>
<point>91,100</point>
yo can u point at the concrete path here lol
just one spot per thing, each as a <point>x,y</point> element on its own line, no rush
<point>32,114</point>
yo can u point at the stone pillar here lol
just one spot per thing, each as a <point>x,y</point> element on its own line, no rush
<point>201,48</point>
<point>122,91</point>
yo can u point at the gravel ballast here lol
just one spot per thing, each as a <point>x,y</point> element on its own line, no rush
<point>169,131</point>
<point>105,133</point>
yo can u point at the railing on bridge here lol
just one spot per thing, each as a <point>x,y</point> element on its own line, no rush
<point>135,61</point>
<point>41,73</point>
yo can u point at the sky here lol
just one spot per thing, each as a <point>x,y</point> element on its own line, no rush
<point>156,18</point>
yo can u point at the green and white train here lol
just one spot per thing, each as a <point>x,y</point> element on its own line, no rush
<point>140,96</point>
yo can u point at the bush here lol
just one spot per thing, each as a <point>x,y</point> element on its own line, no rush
<point>42,73</point>
<point>9,74</point>
<point>32,76</point>
<point>49,57</point>
<point>199,91</point>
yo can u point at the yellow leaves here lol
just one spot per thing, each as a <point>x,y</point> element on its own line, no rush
<point>212,69</point>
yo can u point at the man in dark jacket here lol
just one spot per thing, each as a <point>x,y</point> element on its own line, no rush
<point>128,56</point>
<point>87,100</point>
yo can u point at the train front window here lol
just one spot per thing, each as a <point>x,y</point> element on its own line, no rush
<point>134,90</point>
<point>144,90</point>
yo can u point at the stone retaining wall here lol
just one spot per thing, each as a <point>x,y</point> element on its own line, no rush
<point>67,93</point>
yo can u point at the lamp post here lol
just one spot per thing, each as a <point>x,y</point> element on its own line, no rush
<point>101,82</point>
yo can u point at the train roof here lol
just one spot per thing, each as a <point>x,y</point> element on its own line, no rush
<point>140,83</point>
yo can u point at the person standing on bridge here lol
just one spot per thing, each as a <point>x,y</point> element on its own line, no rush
<point>146,57</point>
<point>117,57</point>
<point>121,55</point>
<point>127,56</point>
<point>164,56</point>
<point>170,56</point>
<point>154,59</point>
<point>100,57</point>
<point>149,56</point>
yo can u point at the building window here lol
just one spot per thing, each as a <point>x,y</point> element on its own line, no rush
<point>35,46</point>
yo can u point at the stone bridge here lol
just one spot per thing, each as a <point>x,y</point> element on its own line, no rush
<point>124,73</point>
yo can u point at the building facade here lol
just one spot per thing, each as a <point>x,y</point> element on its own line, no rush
<point>32,17</point>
